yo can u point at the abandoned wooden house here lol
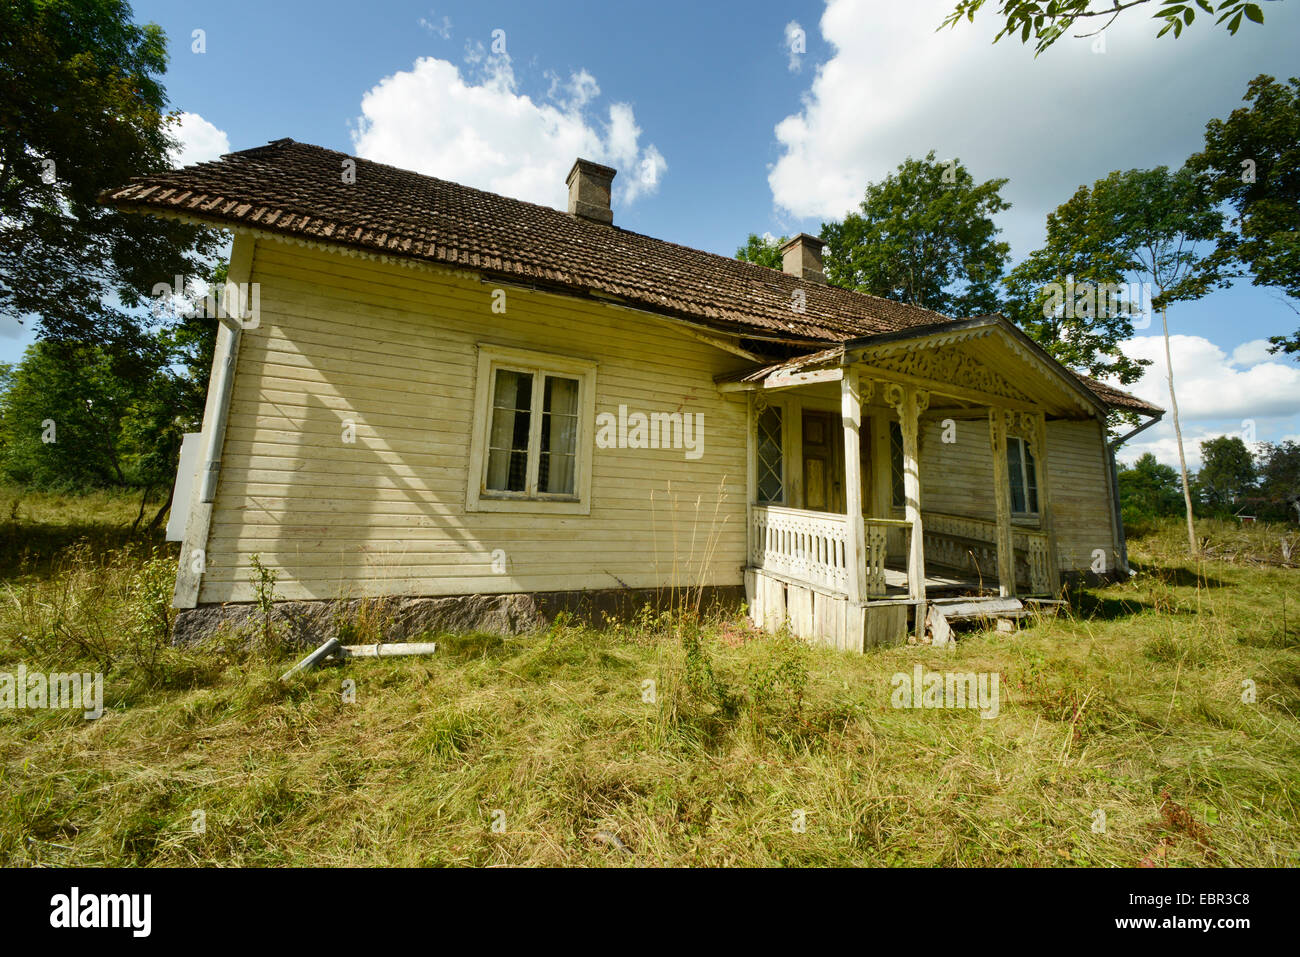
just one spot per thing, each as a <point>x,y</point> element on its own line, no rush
<point>434,393</point>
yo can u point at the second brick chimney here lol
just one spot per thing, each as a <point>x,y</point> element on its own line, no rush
<point>802,256</point>
<point>589,185</point>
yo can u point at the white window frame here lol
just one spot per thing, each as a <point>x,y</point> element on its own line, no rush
<point>1024,480</point>
<point>540,364</point>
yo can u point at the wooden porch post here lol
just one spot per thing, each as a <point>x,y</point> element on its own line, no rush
<point>1039,445</point>
<point>751,476</point>
<point>1002,500</point>
<point>792,450</point>
<point>910,402</point>
<point>855,558</point>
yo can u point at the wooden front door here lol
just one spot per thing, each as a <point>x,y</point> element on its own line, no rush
<point>823,483</point>
<point>823,463</point>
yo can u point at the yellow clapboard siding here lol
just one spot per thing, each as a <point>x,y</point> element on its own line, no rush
<point>393,351</point>
<point>1081,494</point>
<point>957,478</point>
<point>381,537</point>
<point>306,553</point>
<point>358,581</point>
<point>269,511</point>
<point>319,318</point>
<point>378,382</point>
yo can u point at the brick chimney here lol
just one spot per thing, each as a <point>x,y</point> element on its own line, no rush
<point>802,256</point>
<point>589,185</point>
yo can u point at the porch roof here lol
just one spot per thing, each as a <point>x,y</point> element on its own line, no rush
<point>986,338</point>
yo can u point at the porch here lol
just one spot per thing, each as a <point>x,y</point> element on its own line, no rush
<point>840,547</point>
<point>798,572</point>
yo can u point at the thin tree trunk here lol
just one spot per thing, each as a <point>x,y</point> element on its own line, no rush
<point>140,514</point>
<point>166,506</point>
<point>1178,433</point>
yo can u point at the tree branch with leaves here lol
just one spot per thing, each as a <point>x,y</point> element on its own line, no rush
<point>1047,22</point>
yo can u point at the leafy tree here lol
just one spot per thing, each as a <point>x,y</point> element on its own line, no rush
<point>1227,471</point>
<point>81,415</point>
<point>1048,22</point>
<point>1064,295</point>
<point>1161,217</point>
<point>170,402</point>
<point>1279,478</point>
<point>1148,489</point>
<point>1151,226</point>
<point>82,110</point>
<point>72,417</point>
<point>925,236</point>
<point>762,251</point>
<point>1251,161</point>
<point>61,418</point>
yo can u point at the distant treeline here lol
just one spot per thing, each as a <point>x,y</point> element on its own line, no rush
<point>1232,481</point>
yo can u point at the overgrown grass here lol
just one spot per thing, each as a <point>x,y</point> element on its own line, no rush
<point>1275,544</point>
<point>1131,706</point>
<point>36,528</point>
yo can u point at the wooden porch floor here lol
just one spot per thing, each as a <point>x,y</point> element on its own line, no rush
<point>937,584</point>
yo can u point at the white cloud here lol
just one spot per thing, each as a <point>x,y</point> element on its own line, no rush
<point>896,86</point>
<point>575,92</point>
<point>1216,395</point>
<point>650,169</point>
<point>199,141</point>
<point>1252,353</point>
<point>11,328</point>
<point>1208,384</point>
<point>1161,442</point>
<point>439,28</point>
<point>479,130</point>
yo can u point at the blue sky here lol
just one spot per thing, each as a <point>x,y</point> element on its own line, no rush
<point>719,128</point>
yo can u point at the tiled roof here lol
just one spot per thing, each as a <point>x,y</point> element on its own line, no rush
<point>299,190</point>
<point>1118,399</point>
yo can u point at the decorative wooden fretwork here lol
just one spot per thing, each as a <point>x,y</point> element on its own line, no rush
<point>894,395</point>
<point>812,548</point>
<point>806,547</point>
<point>969,545</point>
<point>951,365</point>
<point>866,389</point>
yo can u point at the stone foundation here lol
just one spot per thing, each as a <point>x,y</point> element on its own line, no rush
<point>307,624</point>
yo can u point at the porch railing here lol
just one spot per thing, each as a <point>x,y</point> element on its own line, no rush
<point>811,547</point>
<point>970,544</point>
<point>805,546</point>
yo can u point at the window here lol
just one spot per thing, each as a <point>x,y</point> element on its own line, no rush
<point>532,434</point>
<point>771,461</point>
<point>518,460</point>
<point>1024,477</point>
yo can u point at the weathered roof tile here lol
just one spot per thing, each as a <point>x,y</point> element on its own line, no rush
<point>296,189</point>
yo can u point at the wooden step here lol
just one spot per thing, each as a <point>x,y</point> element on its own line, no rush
<point>941,615</point>
<point>980,608</point>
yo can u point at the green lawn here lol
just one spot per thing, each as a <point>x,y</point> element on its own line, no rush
<point>1132,707</point>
